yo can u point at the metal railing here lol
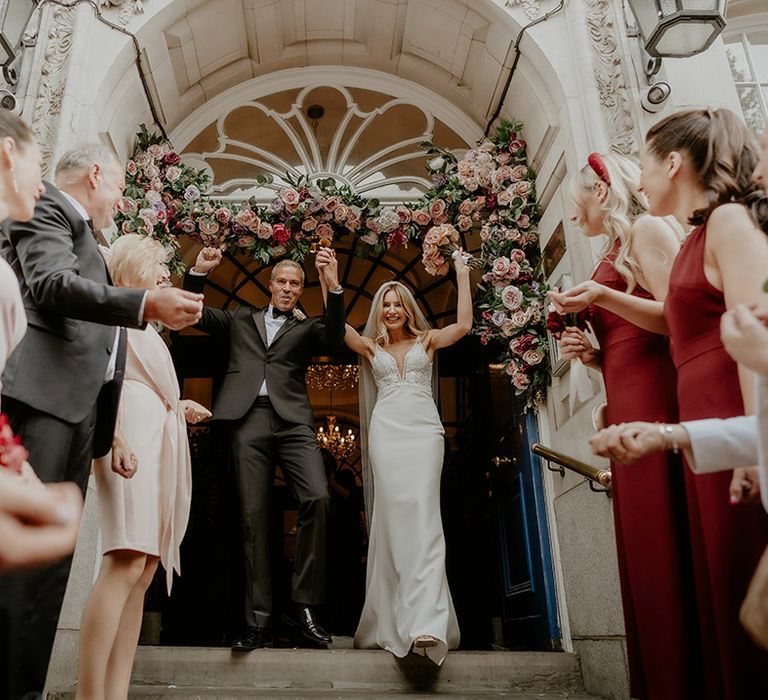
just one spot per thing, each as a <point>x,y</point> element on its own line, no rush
<point>594,475</point>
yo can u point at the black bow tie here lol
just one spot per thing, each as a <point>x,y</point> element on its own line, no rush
<point>277,313</point>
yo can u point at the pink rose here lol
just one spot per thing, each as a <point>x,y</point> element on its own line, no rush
<point>404,214</point>
<point>440,219</point>
<point>466,207</point>
<point>464,222</point>
<point>523,221</point>
<point>533,357</point>
<point>519,319</point>
<point>504,198</point>
<point>503,174</point>
<point>172,173</point>
<point>288,195</point>
<point>223,215</point>
<point>519,172</point>
<point>340,212</point>
<point>466,169</point>
<point>371,225</point>
<point>156,184</point>
<point>520,381</point>
<point>127,206</point>
<point>523,188</point>
<point>437,208</point>
<point>500,267</point>
<point>280,233</point>
<point>331,203</point>
<point>503,158</point>
<point>208,227</point>
<point>517,255</point>
<point>309,224</point>
<point>471,184</point>
<point>245,241</point>
<point>247,217</point>
<point>515,146</point>
<point>511,297</point>
<point>155,151</point>
<point>324,231</point>
<point>421,218</point>
<point>131,168</point>
<point>127,227</point>
<point>264,230</point>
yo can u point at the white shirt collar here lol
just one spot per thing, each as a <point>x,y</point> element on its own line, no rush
<point>79,208</point>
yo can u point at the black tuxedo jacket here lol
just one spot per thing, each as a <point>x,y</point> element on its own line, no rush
<point>283,364</point>
<point>72,310</point>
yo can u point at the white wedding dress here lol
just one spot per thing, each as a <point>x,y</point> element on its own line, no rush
<point>406,587</point>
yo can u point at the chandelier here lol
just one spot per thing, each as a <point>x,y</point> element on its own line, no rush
<point>326,376</point>
<point>339,441</point>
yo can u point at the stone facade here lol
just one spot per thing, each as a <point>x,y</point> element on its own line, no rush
<point>575,86</point>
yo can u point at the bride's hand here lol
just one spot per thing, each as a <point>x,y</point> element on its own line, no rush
<point>460,262</point>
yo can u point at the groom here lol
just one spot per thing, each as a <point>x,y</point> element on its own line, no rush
<point>264,398</point>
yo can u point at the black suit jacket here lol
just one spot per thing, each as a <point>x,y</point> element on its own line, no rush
<point>72,309</point>
<point>283,364</point>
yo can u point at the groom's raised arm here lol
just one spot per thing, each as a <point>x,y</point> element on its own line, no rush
<point>213,321</point>
<point>329,333</point>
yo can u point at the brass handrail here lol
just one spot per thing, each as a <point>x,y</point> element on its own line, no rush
<point>599,476</point>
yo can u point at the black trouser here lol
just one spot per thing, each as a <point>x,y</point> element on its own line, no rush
<point>30,601</point>
<point>262,439</point>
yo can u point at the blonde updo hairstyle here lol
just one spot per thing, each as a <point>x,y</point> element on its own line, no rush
<point>133,261</point>
<point>415,323</point>
<point>623,204</point>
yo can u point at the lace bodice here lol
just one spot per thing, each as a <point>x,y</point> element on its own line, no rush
<point>417,369</point>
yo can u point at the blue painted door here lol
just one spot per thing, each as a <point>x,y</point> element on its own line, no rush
<point>528,600</point>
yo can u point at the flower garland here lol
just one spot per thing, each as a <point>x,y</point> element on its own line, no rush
<point>491,187</point>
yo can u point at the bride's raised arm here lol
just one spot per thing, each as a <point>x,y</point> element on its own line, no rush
<point>443,337</point>
<point>355,342</point>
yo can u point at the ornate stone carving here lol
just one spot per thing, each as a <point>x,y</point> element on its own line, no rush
<point>50,88</point>
<point>530,7</point>
<point>609,76</point>
<point>128,8</point>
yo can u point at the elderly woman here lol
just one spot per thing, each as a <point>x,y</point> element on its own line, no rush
<point>144,487</point>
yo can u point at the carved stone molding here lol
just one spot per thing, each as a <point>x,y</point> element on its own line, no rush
<point>611,82</point>
<point>532,8</point>
<point>128,8</point>
<point>53,71</point>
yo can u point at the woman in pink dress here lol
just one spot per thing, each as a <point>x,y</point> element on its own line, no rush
<point>144,487</point>
<point>649,502</point>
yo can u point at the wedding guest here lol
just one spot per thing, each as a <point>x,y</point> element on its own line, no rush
<point>652,540</point>
<point>697,166</point>
<point>408,605</point>
<point>144,486</point>
<point>61,384</point>
<point>264,399</point>
<point>37,524</point>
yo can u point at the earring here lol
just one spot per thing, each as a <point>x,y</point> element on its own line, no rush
<point>13,180</point>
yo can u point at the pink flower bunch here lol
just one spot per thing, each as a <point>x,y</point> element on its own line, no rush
<point>438,244</point>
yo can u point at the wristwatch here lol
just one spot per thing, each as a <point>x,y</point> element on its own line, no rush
<point>336,290</point>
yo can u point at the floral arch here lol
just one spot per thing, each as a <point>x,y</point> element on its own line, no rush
<point>357,168</point>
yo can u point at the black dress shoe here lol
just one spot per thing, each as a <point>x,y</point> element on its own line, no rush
<point>305,627</point>
<point>254,638</point>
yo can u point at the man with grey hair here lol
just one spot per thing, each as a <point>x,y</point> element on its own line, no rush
<point>264,400</point>
<point>61,386</point>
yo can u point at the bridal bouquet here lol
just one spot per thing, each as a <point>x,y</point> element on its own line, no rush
<point>580,384</point>
<point>441,244</point>
<point>12,452</point>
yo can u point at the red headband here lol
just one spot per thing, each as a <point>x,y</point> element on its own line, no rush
<point>595,161</point>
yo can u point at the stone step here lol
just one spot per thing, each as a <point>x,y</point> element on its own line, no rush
<point>350,670</point>
<point>149,692</point>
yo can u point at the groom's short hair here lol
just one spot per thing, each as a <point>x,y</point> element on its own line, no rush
<point>287,263</point>
<point>76,162</point>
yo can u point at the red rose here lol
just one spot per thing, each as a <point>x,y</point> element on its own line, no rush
<point>172,158</point>
<point>280,233</point>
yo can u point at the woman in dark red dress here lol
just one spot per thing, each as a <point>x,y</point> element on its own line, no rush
<point>697,165</point>
<point>649,499</point>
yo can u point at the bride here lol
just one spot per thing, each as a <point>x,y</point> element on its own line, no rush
<point>407,604</point>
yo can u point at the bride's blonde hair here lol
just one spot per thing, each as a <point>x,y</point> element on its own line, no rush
<point>623,205</point>
<point>413,324</point>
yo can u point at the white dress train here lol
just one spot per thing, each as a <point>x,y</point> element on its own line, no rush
<point>406,586</point>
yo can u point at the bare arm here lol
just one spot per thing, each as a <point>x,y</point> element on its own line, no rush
<point>655,247</point>
<point>443,337</point>
<point>736,260</point>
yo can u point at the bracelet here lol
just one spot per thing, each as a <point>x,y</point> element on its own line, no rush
<point>670,439</point>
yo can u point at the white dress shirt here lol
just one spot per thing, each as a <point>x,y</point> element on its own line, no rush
<point>110,373</point>
<point>273,325</point>
<point>719,444</point>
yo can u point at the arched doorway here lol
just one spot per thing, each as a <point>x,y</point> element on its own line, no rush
<point>496,548</point>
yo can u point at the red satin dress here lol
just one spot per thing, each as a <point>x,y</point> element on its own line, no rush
<point>649,510</point>
<point>727,541</point>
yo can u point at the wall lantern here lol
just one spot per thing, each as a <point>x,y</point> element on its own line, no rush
<point>14,17</point>
<point>678,28</point>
